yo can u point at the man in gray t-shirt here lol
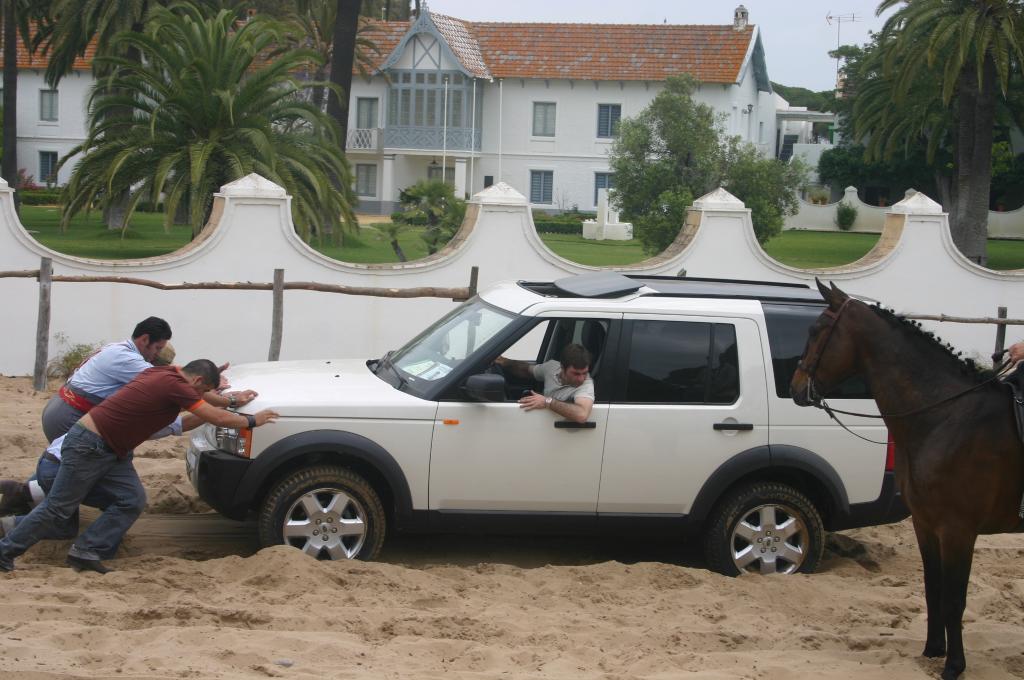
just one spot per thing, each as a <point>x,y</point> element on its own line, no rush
<point>568,389</point>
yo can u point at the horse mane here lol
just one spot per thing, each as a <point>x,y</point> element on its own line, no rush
<point>916,333</point>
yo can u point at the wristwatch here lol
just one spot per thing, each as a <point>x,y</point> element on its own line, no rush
<point>547,402</point>
<point>252,420</point>
<point>232,401</point>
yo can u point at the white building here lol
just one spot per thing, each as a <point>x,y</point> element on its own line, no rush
<point>534,105</point>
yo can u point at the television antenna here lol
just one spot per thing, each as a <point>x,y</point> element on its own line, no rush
<point>839,20</point>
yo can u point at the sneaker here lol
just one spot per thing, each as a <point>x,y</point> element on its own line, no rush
<point>14,497</point>
<point>80,564</point>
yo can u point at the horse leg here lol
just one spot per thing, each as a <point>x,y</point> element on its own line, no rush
<point>931,559</point>
<point>957,555</point>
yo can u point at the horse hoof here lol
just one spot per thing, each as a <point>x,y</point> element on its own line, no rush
<point>934,652</point>
<point>950,673</point>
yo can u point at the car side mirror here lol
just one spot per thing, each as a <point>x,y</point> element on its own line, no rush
<point>486,387</point>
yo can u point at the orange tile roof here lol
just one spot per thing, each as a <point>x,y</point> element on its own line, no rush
<point>712,54</point>
<point>39,61</point>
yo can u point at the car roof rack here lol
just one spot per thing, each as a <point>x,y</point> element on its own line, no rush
<point>617,285</point>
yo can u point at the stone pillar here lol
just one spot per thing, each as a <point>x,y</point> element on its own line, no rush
<point>388,197</point>
<point>460,178</point>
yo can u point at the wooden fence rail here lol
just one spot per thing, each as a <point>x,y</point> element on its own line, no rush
<point>45,277</point>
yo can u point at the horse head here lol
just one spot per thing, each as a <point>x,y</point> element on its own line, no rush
<point>829,355</point>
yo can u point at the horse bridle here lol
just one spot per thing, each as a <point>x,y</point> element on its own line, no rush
<point>812,368</point>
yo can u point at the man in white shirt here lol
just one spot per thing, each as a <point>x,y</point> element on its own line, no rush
<point>568,388</point>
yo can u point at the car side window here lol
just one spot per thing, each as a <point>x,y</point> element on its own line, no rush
<point>682,362</point>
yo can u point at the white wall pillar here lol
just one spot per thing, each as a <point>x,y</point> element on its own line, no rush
<point>387,179</point>
<point>460,178</point>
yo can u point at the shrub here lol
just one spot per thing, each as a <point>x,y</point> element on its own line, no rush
<point>39,196</point>
<point>846,215</point>
<point>817,196</point>
<point>546,226</point>
<point>64,365</point>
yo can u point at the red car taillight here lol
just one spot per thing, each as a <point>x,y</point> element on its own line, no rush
<point>890,455</point>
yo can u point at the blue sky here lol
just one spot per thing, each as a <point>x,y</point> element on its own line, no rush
<point>796,35</point>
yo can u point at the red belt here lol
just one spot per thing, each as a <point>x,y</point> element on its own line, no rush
<point>75,401</point>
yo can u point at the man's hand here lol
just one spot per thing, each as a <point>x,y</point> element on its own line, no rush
<point>1016,351</point>
<point>243,397</point>
<point>533,402</point>
<point>265,416</point>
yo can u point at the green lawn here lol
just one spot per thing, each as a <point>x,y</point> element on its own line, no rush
<point>88,237</point>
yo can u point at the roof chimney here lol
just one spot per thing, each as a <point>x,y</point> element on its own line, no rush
<point>740,18</point>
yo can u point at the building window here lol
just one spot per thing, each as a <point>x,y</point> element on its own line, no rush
<point>602,180</point>
<point>608,116</point>
<point>366,179</point>
<point>366,113</point>
<point>48,167</point>
<point>48,105</point>
<point>541,182</point>
<point>488,181</point>
<point>434,173</point>
<point>543,119</point>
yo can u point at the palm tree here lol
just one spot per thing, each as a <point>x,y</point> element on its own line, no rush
<point>209,102</point>
<point>974,45</point>
<point>433,203</point>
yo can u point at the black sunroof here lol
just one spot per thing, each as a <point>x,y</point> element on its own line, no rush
<point>597,285</point>
<point>614,284</point>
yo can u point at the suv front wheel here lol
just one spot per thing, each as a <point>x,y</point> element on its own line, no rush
<point>764,528</point>
<point>328,512</point>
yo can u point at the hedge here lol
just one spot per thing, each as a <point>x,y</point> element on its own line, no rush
<point>558,227</point>
<point>39,196</point>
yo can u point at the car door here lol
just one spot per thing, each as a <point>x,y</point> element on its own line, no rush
<point>497,457</point>
<point>690,394</point>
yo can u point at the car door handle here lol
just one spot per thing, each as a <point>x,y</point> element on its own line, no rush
<point>570,425</point>
<point>734,426</point>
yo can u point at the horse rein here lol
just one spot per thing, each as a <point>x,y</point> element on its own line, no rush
<point>820,402</point>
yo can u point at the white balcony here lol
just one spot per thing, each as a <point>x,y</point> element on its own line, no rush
<point>364,139</point>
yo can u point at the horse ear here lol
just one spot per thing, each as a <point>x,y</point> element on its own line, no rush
<point>826,294</point>
<point>838,296</point>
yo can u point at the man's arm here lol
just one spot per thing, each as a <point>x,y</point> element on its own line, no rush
<point>222,418</point>
<point>577,412</point>
<point>229,399</point>
<point>518,369</point>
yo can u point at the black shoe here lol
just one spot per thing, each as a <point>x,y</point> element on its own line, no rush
<point>80,564</point>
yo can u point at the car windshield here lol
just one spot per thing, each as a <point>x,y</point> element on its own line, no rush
<point>440,349</point>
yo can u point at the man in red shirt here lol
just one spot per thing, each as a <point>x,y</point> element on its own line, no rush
<point>97,456</point>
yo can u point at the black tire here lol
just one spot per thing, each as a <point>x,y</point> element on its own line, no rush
<point>332,512</point>
<point>742,536</point>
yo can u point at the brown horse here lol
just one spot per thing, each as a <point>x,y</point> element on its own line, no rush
<point>959,462</point>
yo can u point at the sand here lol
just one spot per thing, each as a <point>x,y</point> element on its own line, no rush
<point>193,597</point>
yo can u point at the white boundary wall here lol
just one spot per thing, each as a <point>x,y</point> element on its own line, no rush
<point>871,218</point>
<point>914,268</point>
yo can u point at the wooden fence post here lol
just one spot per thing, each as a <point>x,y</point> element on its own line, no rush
<point>43,324</point>
<point>997,356</point>
<point>277,316</point>
<point>474,275</point>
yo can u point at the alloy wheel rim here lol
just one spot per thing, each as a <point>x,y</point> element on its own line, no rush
<point>769,539</point>
<point>326,524</point>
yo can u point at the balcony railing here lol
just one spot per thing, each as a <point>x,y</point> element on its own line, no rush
<point>414,137</point>
<point>364,139</point>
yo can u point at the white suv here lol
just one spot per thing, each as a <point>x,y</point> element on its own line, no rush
<point>693,432</point>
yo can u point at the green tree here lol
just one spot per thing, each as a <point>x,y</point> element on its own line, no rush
<point>675,151</point>
<point>434,204</point>
<point>668,155</point>
<point>973,46</point>
<point>767,186</point>
<point>209,102</point>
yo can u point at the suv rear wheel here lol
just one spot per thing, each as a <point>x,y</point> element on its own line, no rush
<point>328,512</point>
<point>764,528</point>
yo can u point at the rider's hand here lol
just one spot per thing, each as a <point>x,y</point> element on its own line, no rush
<point>1016,351</point>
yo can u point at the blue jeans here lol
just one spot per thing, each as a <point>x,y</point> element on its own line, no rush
<point>89,470</point>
